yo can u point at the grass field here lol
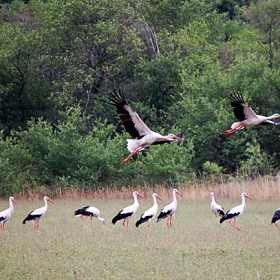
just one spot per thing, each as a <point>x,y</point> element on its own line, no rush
<point>197,247</point>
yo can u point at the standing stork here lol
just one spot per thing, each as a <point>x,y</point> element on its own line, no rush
<point>236,211</point>
<point>127,212</point>
<point>246,116</point>
<point>89,211</point>
<point>143,136</point>
<point>276,217</point>
<point>6,214</point>
<point>37,214</point>
<point>169,210</point>
<point>149,214</point>
<point>217,209</point>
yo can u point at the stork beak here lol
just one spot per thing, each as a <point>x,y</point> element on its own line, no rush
<point>50,200</point>
<point>14,201</point>
<point>158,197</point>
<point>179,193</point>
<point>140,195</point>
<point>247,196</point>
<point>177,138</point>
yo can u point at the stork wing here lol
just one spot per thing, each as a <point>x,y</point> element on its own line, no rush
<point>240,109</point>
<point>130,119</point>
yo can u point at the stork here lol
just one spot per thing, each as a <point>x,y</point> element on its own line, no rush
<point>236,211</point>
<point>217,209</point>
<point>89,211</point>
<point>149,214</point>
<point>127,212</point>
<point>6,214</point>
<point>246,116</point>
<point>37,214</point>
<point>276,217</point>
<point>169,210</point>
<point>142,136</point>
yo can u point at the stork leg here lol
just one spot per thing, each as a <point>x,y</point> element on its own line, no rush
<point>230,131</point>
<point>82,217</point>
<point>2,227</point>
<point>36,224</point>
<point>136,150</point>
<point>170,221</point>
<point>127,221</point>
<point>274,223</point>
<point>234,225</point>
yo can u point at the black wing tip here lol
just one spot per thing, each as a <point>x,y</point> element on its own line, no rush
<point>236,97</point>
<point>117,97</point>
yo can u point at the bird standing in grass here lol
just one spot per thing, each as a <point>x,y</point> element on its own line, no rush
<point>169,210</point>
<point>6,214</point>
<point>149,214</point>
<point>89,211</point>
<point>126,213</point>
<point>37,214</point>
<point>236,211</point>
<point>276,217</point>
<point>217,209</point>
<point>246,116</point>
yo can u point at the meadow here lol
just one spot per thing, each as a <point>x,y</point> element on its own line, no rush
<point>196,247</point>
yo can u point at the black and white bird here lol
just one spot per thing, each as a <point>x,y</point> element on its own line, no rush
<point>169,210</point>
<point>142,136</point>
<point>217,209</point>
<point>276,217</point>
<point>236,211</point>
<point>126,213</point>
<point>149,214</point>
<point>6,214</point>
<point>89,211</point>
<point>246,116</point>
<point>37,214</point>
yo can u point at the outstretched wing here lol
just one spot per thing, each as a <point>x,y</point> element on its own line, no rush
<point>130,119</point>
<point>240,109</point>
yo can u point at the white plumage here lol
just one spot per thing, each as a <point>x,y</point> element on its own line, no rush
<point>89,211</point>
<point>169,210</point>
<point>236,211</point>
<point>6,214</point>
<point>216,208</point>
<point>149,214</point>
<point>37,214</point>
<point>127,212</point>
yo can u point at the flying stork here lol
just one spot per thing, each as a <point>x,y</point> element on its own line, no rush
<point>246,116</point>
<point>142,136</point>
<point>217,209</point>
<point>89,211</point>
<point>169,210</point>
<point>127,212</point>
<point>37,214</point>
<point>236,211</point>
<point>149,214</point>
<point>6,214</point>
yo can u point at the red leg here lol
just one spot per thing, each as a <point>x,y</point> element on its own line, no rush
<point>82,217</point>
<point>170,221</point>
<point>277,226</point>
<point>127,221</point>
<point>133,153</point>
<point>123,223</point>
<point>230,131</point>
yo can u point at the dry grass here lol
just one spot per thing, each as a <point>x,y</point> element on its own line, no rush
<point>197,247</point>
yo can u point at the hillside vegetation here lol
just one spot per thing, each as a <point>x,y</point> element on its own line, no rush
<point>176,62</point>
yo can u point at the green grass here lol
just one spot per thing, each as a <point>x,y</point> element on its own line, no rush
<point>197,247</point>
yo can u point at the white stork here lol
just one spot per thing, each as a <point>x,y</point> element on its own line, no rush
<point>89,211</point>
<point>169,210</point>
<point>276,217</point>
<point>236,211</point>
<point>127,212</point>
<point>143,136</point>
<point>246,116</point>
<point>149,214</point>
<point>37,214</point>
<point>6,214</point>
<point>217,209</point>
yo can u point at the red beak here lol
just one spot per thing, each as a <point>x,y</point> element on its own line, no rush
<point>247,196</point>
<point>177,138</point>
<point>50,200</point>
<point>140,195</point>
<point>158,197</point>
<point>179,193</point>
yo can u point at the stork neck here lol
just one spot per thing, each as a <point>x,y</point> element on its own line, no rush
<point>174,197</point>
<point>243,201</point>
<point>11,205</point>
<point>135,199</point>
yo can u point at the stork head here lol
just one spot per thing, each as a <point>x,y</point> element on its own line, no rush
<point>157,196</point>
<point>136,193</point>
<point>46,198</point>
<point>176,191</point>
<point>245,195</point>
<point>173,137</point>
